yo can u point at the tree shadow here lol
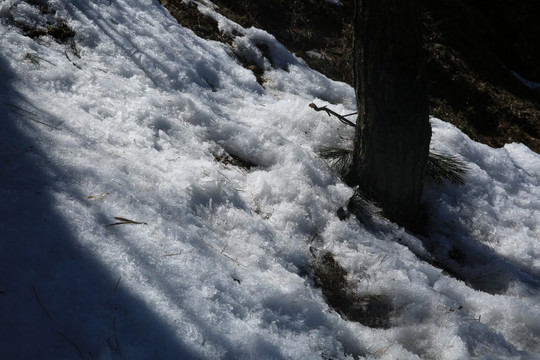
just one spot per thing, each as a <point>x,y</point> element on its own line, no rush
<point>58,301</point>
<point>453,248</point>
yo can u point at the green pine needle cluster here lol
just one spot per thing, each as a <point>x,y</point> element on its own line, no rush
<point>441,167</point>
<point>364,210</point>
<point>339,159</point>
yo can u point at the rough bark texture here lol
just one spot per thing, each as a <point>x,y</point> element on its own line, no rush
<point>393,132</point>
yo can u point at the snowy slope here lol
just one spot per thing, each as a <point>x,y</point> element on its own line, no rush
<point>216,261</point>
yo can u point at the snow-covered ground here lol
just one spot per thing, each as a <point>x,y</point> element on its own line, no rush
<point>216,261</point>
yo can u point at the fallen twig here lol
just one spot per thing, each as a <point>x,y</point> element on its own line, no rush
<point>331,112</point>
<point>123,221</point>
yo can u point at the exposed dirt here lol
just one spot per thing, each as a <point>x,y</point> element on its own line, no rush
<point>229,159</point>
<point>471,49</point>
<point>48,24</point>
<point>189,16</point>
<point>370,310</point>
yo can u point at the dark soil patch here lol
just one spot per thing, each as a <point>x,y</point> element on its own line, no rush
<point>188,15</point>
<point>234,160</point>
<point>472,47</point>
<point>369,310</point>
<point>60,32</point>
<point>472,50</point>
<point>307,25</point>
<point>47,25</point>
<point>257,69</point>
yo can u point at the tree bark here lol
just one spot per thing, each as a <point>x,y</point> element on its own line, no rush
<point>393,132</point>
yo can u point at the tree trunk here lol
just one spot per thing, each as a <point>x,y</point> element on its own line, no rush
<point>393,132</point>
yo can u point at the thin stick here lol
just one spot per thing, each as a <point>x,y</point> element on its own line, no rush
<point>331,112</point>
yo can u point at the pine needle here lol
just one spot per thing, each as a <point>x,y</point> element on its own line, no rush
<point>363,209</point>
<point>41,304</point>
<point>441,167</point>
<point>72,343</point>
<point>339,159</point>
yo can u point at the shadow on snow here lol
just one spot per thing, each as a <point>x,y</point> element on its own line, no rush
<point>57,300</point>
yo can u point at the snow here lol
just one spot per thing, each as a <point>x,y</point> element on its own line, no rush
<point>530,84</point>
<point>215,262</point>
<point>335,2</point>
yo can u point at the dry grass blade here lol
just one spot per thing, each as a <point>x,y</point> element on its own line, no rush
<point>117,283</point>
<point>25,114</point>
<point>221,252</point>
<point>98,197</point>
<point>173,254</point>
<point>41,304</point>
<point>21,109</point>
<point>35,58</point>
<point>72,343</point>
<point>116,342</point>
<point>124,221</point>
